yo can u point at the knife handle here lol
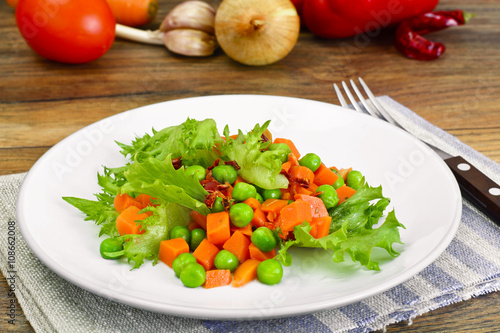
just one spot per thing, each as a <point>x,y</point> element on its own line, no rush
<point>477,187</point>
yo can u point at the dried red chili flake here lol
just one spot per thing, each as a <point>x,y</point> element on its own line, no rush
<point>302,182</point>
<point>210,199</point>
<point>234,164</point>
<point>409,40</point>
<point>177,163</point>
<point>210,185</point>
<point>216,163</point>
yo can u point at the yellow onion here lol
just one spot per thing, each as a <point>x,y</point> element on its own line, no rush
<point>257,32</point>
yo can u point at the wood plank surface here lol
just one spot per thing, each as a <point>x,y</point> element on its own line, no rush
<point>42,102</point>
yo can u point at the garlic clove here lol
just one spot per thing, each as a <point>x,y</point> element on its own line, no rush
<point>192,14</point>
<point>190,42</point>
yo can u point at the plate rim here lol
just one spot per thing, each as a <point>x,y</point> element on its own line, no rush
<point>204,313</point>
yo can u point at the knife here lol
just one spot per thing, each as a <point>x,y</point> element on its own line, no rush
<point>474,185</point>
<point>478,188</point>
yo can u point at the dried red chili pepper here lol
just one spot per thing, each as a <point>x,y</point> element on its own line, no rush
<point>409,40</point>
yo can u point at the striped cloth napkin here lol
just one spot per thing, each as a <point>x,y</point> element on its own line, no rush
<point>470,266</point>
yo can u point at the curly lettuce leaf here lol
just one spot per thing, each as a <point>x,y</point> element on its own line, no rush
<point>102,212</point>
<point>194,141</point>
<point>146,246</point>
<point>160,179</point>
<point>359,210</point>
<point>352,230</point>
<point>258,165</point>
<point>359,243</point>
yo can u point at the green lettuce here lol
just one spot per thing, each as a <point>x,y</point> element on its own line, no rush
<point>364,208</point>
<point>101,211</point>
<point>194,141</point>
<point>146,246</point>
<point>352,230</point>
<point>161,180</point>
<point>258,165</point>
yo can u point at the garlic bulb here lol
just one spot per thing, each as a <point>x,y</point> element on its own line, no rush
<point>190,42</point>
<point>257,32</point>
<point>189,29</point>
<point>190,14</point>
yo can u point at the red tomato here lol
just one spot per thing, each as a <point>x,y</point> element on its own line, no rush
<point>69,31</point>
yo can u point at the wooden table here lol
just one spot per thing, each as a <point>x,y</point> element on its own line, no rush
<point>42,102</point>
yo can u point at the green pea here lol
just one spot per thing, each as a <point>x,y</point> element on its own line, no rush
<point>310,160</point>
<point>180,231</point>
<point>243,191</point>
<point>225,173</point>
<point>197,236</point>
<point>329,196</point>
<point>217,206</point>
<point>263,238</point>
<point>240,214</point>
<point>270,272</point>
<point>196,171</point>
<point>271,194</point>
<point>339,182</point>
<point>355,179</point>
<point>226,260</point>
<point>282,150</point>
<point>259,197</point>
<point>110,245</point>
<point>193,275</point>
<point>182,260</point>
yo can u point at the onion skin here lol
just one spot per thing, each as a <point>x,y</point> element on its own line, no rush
<point>257,32</point>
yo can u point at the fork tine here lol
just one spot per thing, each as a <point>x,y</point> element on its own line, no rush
<point>377,105</point>
<point>351,97</point>
<point>339,96</point>
<point>362,99</point>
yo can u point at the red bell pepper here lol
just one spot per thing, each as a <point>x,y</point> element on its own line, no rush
<point>346,18</point>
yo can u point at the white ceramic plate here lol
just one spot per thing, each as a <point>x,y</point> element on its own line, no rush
<point>424,194</point>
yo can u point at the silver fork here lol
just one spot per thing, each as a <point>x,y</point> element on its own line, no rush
<point>476,186</point>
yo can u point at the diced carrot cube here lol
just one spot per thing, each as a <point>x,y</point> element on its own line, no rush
<point>238,244</point>
<point>253,202</point>
<point>324,176</point>
<point>259,218</point>
<point>171,248</point>
<point>246,272</point>
<point>218,278</point>
<point>345,192</point>
<point>199,218</point>
<point>290,144</point>
<point>256,253</point>
<point>294,214</point>
<point>246,230</point>
<point>322,226</point>
<point>318,208</point>
<point>218,227</point>
<point>126,222</point>
<point>123,201</point>
<point>145,200</point>
<point>205,254</point>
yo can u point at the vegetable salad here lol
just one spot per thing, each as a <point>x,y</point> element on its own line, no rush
<point>225,209</point>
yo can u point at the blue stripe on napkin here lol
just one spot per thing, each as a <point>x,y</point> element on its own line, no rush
<point>473,260</point>
<point>360,313</point>
<point>487,231</point>
<point>306,324</point>
<point>440,279</point>
<point>446,299</point>
<point>401,315</point>
<point>402,295</point>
